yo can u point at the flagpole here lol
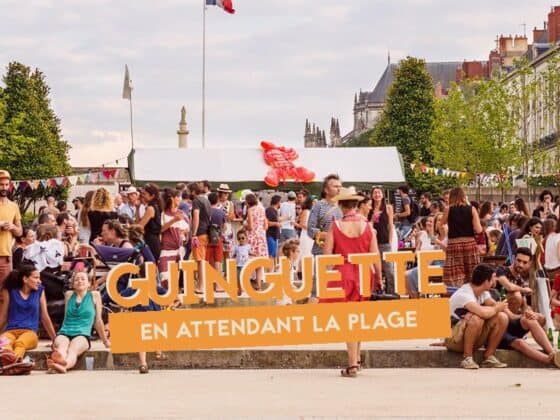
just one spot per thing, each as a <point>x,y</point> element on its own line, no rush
<point>203,74</point>
<point>131,129</point>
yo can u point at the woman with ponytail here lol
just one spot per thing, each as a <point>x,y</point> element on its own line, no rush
<point>24,303</point>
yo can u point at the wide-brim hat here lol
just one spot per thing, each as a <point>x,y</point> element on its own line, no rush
<point>224,188</point>
<point>348,194</point>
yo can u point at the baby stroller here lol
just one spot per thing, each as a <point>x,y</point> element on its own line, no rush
<point>110,257</point>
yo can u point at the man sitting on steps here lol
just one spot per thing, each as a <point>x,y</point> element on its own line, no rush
<point>477,319</point>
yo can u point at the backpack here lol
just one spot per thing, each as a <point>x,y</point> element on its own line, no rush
<point>414,211</point>
<point>214,234</point>
<point>12,364</point>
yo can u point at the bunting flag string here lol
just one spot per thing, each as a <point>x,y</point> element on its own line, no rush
<point>67,181</point>
<point>483,178</point>
<point>437,171</point>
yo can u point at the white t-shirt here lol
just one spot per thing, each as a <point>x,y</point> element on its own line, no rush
<point>551,260</point>
<point>425,241</point>
<point>288,209</point>
<point>461,297</point>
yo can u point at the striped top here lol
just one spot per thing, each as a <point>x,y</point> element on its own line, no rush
<point>320,219</point>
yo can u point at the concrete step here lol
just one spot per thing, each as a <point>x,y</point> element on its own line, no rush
<point>413,354</point>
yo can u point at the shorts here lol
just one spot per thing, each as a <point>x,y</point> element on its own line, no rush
<point>456,342</point>
<point>215,252</point>
<point>513,332</point>
<point>71,337</point>
<point>199,253</point>
<point>272,246</point>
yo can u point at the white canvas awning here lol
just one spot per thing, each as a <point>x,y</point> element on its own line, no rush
<point>359,165</point>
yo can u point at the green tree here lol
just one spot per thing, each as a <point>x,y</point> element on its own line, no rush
<point>523,93</point>
<point>409,112</point>
<point>408,115</point>
<point>31,146</point>
<point>474,130</point>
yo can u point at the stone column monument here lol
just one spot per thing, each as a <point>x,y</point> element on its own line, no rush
<point>183,132</point>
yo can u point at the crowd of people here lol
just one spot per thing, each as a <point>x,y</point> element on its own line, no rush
<point>493,305</point>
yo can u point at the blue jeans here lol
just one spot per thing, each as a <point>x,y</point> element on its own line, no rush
<point>272,246</point>
<point>388,269</point>
<point>412,278</point>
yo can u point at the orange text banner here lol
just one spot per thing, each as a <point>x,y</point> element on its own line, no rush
<point>279,325</point>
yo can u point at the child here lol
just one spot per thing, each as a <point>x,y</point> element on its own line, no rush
<point>291,250</point>
<point>241,253</point>
<point>493,239</point>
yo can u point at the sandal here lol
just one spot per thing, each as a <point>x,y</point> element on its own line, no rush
<point>143,369</point>
<point>350,371</point>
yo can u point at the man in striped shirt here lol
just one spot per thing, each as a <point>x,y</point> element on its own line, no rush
<point>321,217</point>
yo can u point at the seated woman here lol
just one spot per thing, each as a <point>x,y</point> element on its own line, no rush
<point>432,236</point>
<point>82,310</point>
<point>22,242</point>
<point>113,234</point>
<point>24,303</point>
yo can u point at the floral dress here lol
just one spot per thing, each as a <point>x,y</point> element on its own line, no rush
<point>257,236</point>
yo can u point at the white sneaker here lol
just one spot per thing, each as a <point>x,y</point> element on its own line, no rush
<point>469,363</point>
<point>493,362</point>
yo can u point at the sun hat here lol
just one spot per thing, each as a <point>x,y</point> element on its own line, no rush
<point>131,190</point>
<point>348,194</point>
<point>224,188</point>
<point>4,174</point>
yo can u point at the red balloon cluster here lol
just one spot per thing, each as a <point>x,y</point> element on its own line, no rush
<point>281,159</point>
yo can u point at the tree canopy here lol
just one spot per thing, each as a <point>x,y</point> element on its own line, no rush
<point>31,144</point>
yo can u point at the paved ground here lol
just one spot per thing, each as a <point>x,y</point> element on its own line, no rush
<point>288,393</point>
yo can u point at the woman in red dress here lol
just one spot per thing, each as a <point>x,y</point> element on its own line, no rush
<point>350,235</point>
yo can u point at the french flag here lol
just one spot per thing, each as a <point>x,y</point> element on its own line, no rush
<point>227,5</point>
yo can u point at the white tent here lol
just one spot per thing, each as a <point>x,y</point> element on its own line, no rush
<point>358,165</point>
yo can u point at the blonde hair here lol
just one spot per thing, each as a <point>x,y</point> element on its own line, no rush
<point>102,200</point>
<point>290,246</point>
<point>457,197</point>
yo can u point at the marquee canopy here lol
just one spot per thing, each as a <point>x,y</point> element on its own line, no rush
<point>246,168</point>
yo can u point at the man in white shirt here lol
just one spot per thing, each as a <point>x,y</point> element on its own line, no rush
<point>287,217</point>
<point>477,319</point>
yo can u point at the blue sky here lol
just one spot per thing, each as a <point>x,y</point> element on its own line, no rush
<point>269,67</point>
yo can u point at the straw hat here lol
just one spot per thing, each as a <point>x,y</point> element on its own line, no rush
<point>348,194</point>
<point>224,188</point>
<point>4,174</point>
